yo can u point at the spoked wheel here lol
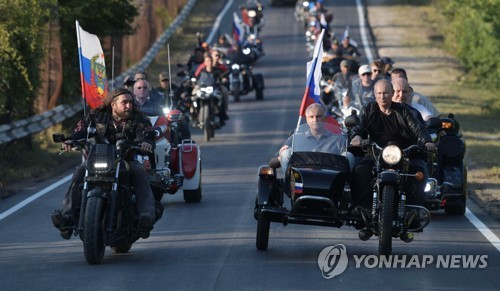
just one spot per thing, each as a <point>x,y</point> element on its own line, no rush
<point>93,230</point>
<point>263,225</point>
<point>385,221</point>
<point>122,249</point>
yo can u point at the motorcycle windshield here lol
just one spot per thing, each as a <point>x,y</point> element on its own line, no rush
<point>319,137</point>
<point>152,109</point>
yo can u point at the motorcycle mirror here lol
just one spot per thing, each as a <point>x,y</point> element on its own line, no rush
<point>58,137</point>
<point>352,120</point>
<point>434,123</point>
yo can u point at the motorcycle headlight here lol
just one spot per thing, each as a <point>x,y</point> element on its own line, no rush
<point>235,67</point>
<point>252,13</point>
<point>101,159</point>
<point>431,186</point>
<point>246,51</point>
<point>166,110</point>
<point>305,4</point>
<point>391,155</point>
<point>208,89</point>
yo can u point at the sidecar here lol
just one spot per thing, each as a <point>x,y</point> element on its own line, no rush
<point>447,188</point>
<point>173,166</point>
<point>315,181</point>
<point>315,184</point>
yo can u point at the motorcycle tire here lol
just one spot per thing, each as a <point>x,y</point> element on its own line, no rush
<point>193,196</point>
<point>207,125</point>
<point>263,225</point>
<point>385,221</point>
<point>456,209</point>
<point>236,94</point>
<point>93,230</point>
<point>122,249</point>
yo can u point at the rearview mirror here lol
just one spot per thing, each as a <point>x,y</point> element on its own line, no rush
<point>58,137</point>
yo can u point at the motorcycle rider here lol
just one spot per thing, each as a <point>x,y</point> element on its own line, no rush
<point>385,121</point>
<point>362,88</point>
<point>342,81</point>
<point>416,97</point>
<point>315,118</point>
<point>117,118</point>
<point>209,75</point>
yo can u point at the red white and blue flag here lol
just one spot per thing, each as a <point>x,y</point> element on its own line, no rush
<point>313,91</point>
<point>238,30</point>
<point>92,68</point>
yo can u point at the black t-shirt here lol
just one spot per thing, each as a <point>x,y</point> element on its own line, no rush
<point>386,130</point>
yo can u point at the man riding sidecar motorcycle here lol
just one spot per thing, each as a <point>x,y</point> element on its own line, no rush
<point>318,180</point>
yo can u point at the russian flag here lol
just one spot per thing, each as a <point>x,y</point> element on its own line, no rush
<point>312,92</point>
<point>238,30</point>
<point>298,188</point>
<point>92,68</point>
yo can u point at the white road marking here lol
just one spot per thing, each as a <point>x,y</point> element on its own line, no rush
<point>34,197</point>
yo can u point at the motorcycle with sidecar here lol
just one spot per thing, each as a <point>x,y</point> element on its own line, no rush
<point>317,182</point>
<point>176,161</point>
<point>241,81</point>
<point>447,187</point>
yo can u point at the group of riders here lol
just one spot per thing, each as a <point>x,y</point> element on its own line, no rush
<point>389,107</point>
<point>121,115</point>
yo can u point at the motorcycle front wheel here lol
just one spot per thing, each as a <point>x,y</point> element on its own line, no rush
<point>385,221</point>
<point>93,230</point>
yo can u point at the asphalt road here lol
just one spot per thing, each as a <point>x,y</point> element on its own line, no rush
<point>211,245</point>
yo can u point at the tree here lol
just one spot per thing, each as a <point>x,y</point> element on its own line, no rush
<point>21,52</point>
<point>102,18</point>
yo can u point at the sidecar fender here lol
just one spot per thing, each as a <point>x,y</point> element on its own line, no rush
<point>190,164</point>
<point>265,184</point>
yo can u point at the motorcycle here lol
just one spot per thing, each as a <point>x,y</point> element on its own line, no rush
<point>447,188</point>
<point>252,14</point>
<point>301,12</point>
<point>176,161</point>
<point>242,81</point>
<point>108,208</point>
<point>204,109</point>
<point>317,181</point>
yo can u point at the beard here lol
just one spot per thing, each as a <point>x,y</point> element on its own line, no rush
<point>126,114</point>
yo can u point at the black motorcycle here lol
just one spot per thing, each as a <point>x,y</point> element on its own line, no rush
<point>243,81</point>
<point>447,188</point>
<point>108,209</point>
<point>317,181</point>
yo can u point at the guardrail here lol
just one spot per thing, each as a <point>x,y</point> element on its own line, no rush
<point>24,127</point>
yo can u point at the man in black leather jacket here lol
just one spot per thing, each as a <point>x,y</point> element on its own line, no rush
<point>118,118</point>
<point>385,121</point>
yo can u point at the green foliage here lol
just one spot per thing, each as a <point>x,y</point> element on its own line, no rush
<point>473,34</point>
<point>21,52</point>
<point>102,18</point>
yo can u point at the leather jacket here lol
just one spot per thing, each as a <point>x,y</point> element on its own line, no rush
<point>412,132</point>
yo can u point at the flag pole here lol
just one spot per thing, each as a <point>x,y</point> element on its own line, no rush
<point>84,97</point>
<point>311,68</point>
<point>170,93</point>
<point>113,68</point>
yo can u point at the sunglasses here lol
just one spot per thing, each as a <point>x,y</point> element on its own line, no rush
<point>375,70</point>
<point>366,74</point>
<point>164,80</point>
<point>140,88</point>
